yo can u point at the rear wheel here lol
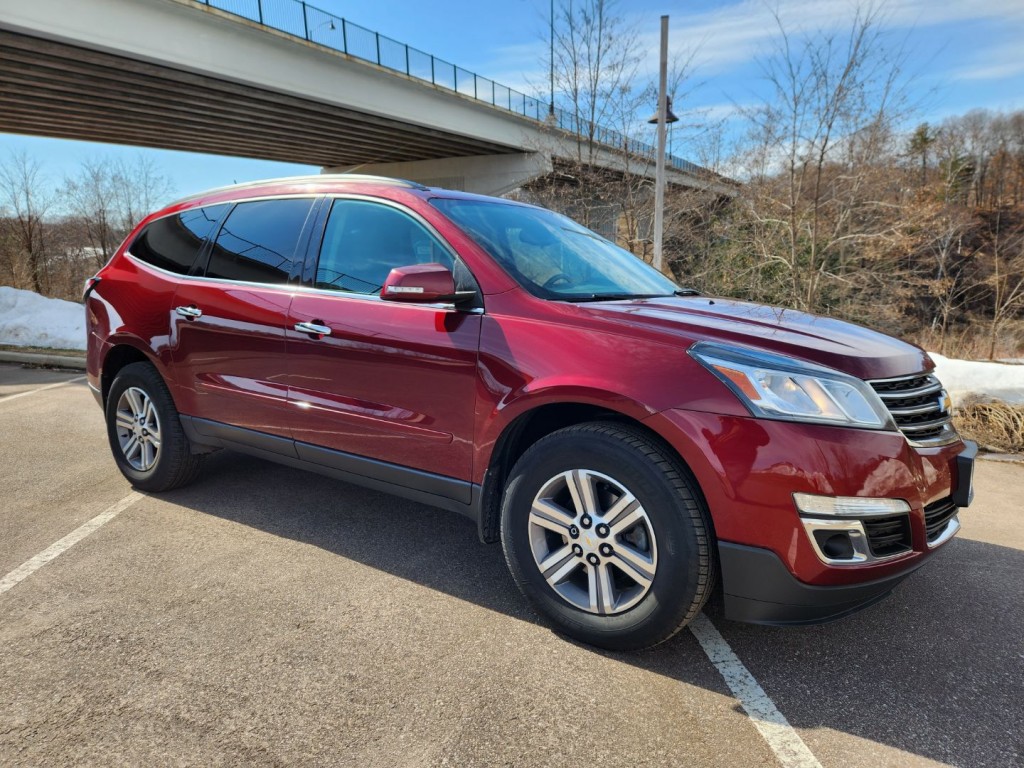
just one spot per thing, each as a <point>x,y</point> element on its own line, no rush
<point>144,431</point>
<point>606,534</point>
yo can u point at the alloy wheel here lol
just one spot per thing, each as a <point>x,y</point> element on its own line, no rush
<point>593,542</point>
<point>138,429</point>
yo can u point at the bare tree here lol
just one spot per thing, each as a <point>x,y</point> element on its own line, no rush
<point>603,101</point>
<point>597,56</point>
<point>1007,278</point>
<point>940,243</point>
<point>26,200</point>
<point>833,103</point>
<point>139,188</point>
<point>90,197</point>
<point>109,198</point>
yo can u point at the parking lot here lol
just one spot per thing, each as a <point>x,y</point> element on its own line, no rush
<point>266,616</point>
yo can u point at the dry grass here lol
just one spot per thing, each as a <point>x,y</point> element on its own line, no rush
<point>971,341</point>
<point>993,425</point>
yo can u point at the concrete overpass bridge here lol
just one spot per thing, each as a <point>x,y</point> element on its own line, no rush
<point>283,80</point>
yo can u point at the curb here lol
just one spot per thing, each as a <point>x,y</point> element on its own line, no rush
<point>56,361</point>
<point>1006,458</point>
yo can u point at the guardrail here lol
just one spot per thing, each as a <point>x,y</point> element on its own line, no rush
<point>307,22</point>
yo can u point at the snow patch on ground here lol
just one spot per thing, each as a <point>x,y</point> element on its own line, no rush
<point>30,320</point>
<point>999,381</point>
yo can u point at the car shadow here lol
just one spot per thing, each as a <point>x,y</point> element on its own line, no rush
<point>936,669</point>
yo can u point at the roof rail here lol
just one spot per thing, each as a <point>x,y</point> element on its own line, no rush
<point>309,178</point>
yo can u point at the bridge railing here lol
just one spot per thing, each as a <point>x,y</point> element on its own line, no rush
<point>306,21</point>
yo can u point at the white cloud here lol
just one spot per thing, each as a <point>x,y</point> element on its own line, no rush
<point>713,113</point>
<point>735,34</point>
<point>996,61</point>
<point>731,36</point>
<point>522,66</point>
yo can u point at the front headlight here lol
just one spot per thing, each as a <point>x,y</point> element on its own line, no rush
<point>779,387</point>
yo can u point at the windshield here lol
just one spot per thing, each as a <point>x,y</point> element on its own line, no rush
<point>552,256</point>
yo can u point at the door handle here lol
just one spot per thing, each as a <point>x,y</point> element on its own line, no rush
<point>313,328</point>
<point>191,312</point>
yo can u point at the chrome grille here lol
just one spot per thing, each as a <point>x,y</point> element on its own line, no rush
<point>919,406</point>
<point>937,516</point>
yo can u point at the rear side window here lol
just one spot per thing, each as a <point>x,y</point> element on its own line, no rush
<point>364,241</point>
<point>173,242</point>
<point>257,241</point>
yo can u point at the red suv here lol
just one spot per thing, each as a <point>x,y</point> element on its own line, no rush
<point>632,444</point>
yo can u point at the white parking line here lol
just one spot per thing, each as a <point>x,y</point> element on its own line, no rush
<point>32,565</point>
<point>5,398</point>
<point>785,742</point>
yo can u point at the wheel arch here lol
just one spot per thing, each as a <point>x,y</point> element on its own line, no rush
<point>538,421</point>
<point>124,351</point>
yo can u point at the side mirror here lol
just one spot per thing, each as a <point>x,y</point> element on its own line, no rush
<point>422,284</point>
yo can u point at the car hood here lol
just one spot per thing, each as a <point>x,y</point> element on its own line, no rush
<point>844,346</point>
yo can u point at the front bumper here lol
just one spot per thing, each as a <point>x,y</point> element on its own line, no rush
<point>748,470</point>
<point>759,589</point>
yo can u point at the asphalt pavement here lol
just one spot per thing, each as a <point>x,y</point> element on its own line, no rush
<point>267,616</point>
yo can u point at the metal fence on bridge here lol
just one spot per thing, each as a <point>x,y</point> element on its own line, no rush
<point>305,21</point>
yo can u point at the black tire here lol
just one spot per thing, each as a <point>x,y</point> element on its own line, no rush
<point>175,465</point>
<point>685,573</point>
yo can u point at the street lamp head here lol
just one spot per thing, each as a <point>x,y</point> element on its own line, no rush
<point>670,116</point>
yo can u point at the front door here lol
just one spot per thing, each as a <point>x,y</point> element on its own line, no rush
<point>392,382</point>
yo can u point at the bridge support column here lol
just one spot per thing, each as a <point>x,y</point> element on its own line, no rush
<point>482,174</point>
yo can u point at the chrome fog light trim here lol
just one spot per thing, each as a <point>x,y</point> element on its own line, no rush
<point>852,528</point>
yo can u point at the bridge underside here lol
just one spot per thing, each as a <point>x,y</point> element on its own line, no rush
<point>50,88</point>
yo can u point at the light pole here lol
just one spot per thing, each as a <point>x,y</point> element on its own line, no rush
<point>551,38</point>
<point>662,120</point>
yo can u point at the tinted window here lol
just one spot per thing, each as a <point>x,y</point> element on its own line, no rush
<point>173,242</point>
<point>257,242</point>
<point>364,241</point>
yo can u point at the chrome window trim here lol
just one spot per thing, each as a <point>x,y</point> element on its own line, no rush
<point>294,289</point>
<point>297,288</point>
<point>233,201</point>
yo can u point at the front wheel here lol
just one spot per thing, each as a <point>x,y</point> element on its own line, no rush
<point>144,431</point>
<point>607,536</point>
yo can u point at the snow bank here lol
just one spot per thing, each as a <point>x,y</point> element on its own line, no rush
<point>30,320</point>
<point>999,381</point>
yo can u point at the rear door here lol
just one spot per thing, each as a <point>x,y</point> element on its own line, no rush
<point>138,300</point>
<point>228,326</point>
<point>392,382</point>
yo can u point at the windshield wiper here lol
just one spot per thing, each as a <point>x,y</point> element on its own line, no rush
<point>612,296</point>
<point>687,292</point>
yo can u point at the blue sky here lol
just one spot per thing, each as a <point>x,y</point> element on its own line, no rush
<point>965,54</point>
